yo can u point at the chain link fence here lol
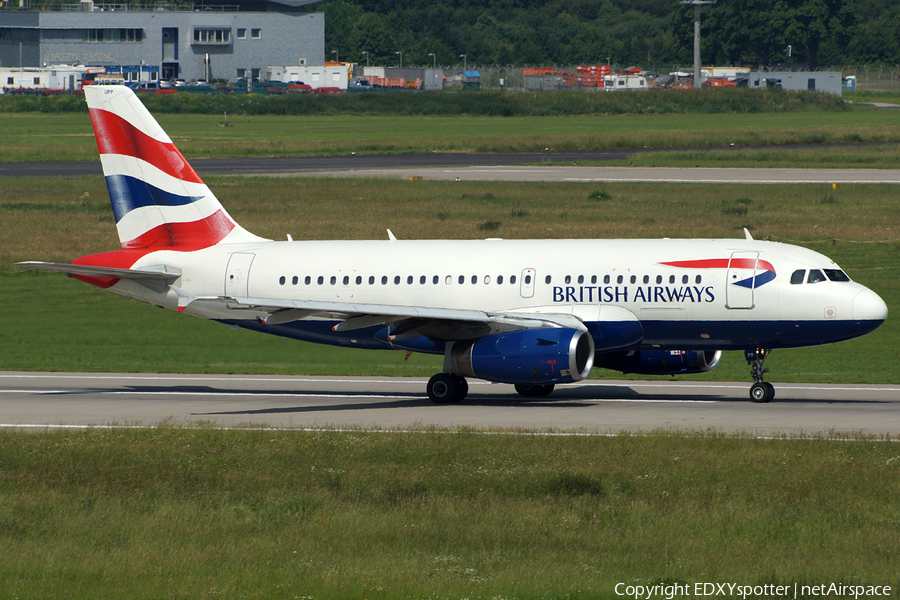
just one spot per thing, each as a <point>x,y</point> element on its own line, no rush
<point>874,77</point>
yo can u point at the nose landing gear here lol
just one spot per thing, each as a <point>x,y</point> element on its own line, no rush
<point>761,391</point>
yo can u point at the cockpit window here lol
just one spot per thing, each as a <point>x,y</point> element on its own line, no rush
<point>836,275</point>
<point>798,276</point>
<point>815,276</point>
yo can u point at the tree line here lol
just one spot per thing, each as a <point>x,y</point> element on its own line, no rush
<point>622,32</point>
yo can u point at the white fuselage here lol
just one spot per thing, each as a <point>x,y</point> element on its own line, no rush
<point>697,303</point>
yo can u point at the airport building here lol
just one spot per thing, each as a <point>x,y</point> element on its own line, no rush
<point>212,42</point>
<point>795,81</point>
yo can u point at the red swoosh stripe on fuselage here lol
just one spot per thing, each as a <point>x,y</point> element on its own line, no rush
<point>115,135</point>
<point>120,259</point>
<point>722,263</point>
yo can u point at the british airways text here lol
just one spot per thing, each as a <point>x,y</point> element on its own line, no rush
<point>621,294</point>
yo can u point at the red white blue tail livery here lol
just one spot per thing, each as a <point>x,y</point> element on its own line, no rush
<point>157,198</point>
<point>532,313</point>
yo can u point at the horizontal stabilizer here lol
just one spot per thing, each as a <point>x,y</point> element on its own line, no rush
<point>160,273</point>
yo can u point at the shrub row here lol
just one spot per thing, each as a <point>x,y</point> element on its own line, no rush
<point>488,103</point>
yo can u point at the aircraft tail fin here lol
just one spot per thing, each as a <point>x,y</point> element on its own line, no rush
<point>158,200</point>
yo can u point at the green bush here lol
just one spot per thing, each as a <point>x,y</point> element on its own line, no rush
<point>486,103</point>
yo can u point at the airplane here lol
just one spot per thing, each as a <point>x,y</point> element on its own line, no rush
<point>532,313</point>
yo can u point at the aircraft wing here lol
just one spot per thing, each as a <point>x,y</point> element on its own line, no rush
<point>151,273</point>
<point>444,324</point>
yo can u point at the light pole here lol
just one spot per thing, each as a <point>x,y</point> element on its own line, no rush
<point>366,52</point>
<point>465,62</point>
<point>401,58</point>
<point>697,4</point>
<point>433,60</point>
<point>335,52</point>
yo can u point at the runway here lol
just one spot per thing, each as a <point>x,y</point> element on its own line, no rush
<point>622,174</point>
<point>48,400</point>
<point>514,166</point>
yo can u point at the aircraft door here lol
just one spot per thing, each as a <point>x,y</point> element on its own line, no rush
<point>526,287</point>
<point>741,280</point>
<point>237,274</point>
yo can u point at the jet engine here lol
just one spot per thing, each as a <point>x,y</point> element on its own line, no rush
<point>661,362</point>
<point>527,356</point>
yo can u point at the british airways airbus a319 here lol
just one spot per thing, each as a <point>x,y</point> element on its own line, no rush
<point>533,313</point>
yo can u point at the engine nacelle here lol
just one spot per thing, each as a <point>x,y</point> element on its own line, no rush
<point>661,362</point>
<point>529,356</point>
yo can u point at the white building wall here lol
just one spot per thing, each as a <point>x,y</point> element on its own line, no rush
<point>315,77</point>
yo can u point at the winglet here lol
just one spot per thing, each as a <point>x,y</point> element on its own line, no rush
<point>747,235</point>
<point>391,236</point>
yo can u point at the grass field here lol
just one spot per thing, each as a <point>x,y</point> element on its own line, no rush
<point>60,219</point>
<point>173,512</point>
<point>68,136</point>
<point>199,513</point>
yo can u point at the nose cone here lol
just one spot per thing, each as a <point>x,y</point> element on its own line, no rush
<point>868,306</point>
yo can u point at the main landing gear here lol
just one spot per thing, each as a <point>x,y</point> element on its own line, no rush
<point>761,391</point>
<point>447,388</point>
<point>534,391</point>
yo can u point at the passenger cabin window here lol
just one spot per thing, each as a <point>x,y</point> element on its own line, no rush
<point>512,279</point>
<point>798,276</point>
<point>836,275</point>
<point>527,279</point>
<point>547,279</point>
<point>815,276</point>
<point>499,279</point>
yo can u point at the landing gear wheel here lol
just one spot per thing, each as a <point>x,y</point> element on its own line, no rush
<point>534,391</point>
<point>463,387</point>
<point>445,388</point>
<point>762,392</point>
